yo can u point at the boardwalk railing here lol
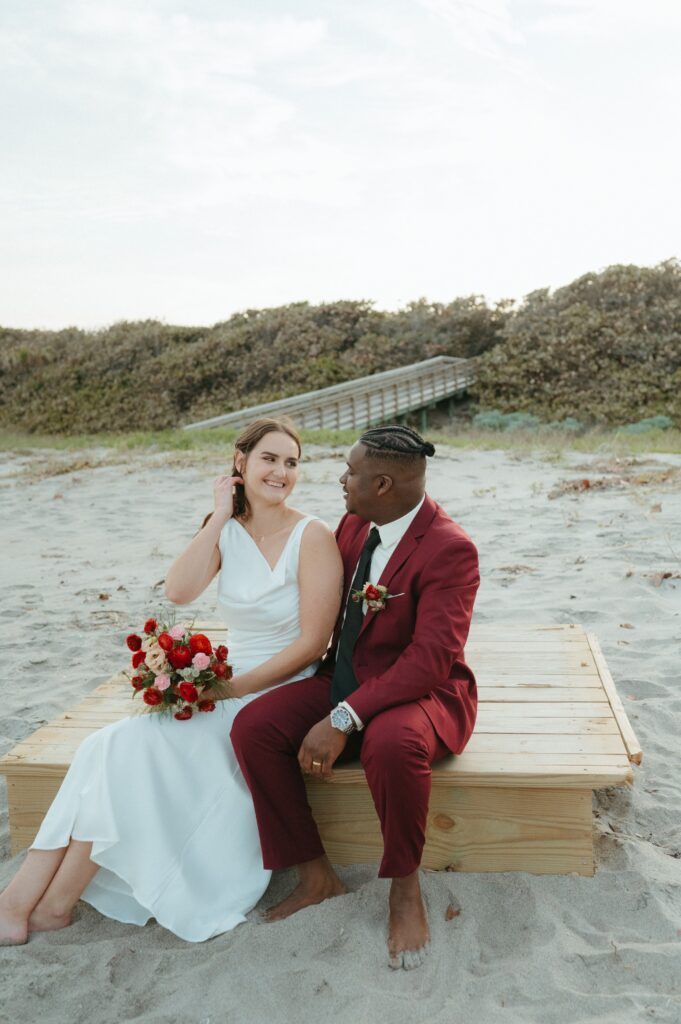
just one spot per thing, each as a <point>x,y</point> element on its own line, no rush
<point>367,401</point>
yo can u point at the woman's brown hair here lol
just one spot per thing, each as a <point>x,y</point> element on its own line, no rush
<point>249,437</point>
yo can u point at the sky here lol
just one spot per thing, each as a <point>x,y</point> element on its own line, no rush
<point>184,161</point>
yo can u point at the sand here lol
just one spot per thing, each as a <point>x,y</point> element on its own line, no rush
<point>86,540</point>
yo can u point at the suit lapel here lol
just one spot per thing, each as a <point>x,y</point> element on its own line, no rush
<point>351,555</point>
<point>405,548</point>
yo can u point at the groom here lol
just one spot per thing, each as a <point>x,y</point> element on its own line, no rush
<point>393,688</point>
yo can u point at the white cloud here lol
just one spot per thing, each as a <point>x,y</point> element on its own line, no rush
<point>183,162</point>
<point>483,26</point>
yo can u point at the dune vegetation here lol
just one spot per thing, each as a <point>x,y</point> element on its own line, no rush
<point>604,350</point>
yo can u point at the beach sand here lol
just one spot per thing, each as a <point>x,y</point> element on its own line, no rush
<point>86,542</point>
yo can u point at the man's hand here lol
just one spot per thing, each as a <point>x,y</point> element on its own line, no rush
<point>321,748</point>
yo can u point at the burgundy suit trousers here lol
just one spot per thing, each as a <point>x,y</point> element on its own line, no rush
<point>396,748</point>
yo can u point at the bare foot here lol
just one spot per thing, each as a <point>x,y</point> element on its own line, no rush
<point>13,929</point>
<point>318,882</point>
<point>408,933</point>
<point>44,920</point>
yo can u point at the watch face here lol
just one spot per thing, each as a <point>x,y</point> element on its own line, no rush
<point>341,719</point>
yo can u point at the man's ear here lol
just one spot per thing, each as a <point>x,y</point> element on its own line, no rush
<point>385,484</point>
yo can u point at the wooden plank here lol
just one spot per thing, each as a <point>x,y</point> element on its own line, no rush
<point>541,709</point>
<point>489,677</point>
<point>468,830</point>
<point>578,744</point>
<point>628,735</point>
<point>553,646</point>
<point>551,665</point>
<point>489,760</point>
<point>539,693</point>
<point>566,631</point>
<point>503,725</point>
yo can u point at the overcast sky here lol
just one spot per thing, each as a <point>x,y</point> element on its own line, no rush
<point>183,161</point>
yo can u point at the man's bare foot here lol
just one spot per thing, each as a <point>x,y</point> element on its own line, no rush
<point>13,929</point>
<point>408,933</point>
<point>44,920</point>
<point>318,882</point>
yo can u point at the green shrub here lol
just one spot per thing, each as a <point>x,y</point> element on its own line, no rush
<point>608,344</point>
<point>650,423</point>
<point>490,419</point>
<point>569,425</point>
<point>151,376</point>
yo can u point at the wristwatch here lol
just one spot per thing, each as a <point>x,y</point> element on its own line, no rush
<point>342,719</point>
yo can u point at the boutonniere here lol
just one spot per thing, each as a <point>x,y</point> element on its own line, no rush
<point>375,596</point>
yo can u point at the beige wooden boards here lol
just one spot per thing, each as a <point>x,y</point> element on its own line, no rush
<point>548,714</point>
<point>544,831</point>
<point>551,728</point>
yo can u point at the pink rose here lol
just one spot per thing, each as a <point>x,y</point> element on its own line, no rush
<point>177,632</point>
<point>162,682</point>
<point>200,661</point>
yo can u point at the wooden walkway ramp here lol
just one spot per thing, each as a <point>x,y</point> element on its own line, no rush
<point>550,730</point>
<point>367,401</point>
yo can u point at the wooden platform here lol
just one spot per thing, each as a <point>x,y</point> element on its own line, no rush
<point>551,728</point>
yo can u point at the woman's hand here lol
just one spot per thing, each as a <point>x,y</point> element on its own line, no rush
<point>223,494</point>
<point>224,689</point>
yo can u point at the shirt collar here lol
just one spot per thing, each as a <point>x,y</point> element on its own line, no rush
<point>392,533</point>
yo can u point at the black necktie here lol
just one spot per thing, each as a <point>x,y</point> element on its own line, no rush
<point>344,680</point>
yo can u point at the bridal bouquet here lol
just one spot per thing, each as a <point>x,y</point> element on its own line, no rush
<point>173,667</point>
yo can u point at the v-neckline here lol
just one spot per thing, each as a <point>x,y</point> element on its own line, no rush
<point>272,568</point>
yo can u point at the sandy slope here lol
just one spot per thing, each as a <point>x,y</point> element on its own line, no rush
<point>525,949</point>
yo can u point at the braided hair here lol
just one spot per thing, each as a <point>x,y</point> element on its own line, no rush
<point>395,442</point>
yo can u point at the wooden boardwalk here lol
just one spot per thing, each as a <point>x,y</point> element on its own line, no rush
<point>368,401</point>
<point>551,728</point>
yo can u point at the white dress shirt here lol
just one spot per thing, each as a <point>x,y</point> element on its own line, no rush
<point>391,534</point>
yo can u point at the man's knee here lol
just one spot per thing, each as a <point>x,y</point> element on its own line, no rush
<point>248,726</point>
<point>394,745</point>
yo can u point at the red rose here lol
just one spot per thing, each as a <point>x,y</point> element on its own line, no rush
<point>220,669</point>
<point>221,652</point>
<point>184,714</point>
<point>150,625</point>
<point>136,682</point>
<point>200,644</point>
<point>165,642</point>
<point>138,659</point>
<point>372,594</point>
<point>206,705</point>
<point>180,657</point>
<point>152,696</point>
<point>134,642</point>
<point>188,692</point>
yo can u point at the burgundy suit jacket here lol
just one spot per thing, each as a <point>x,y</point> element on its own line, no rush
<point>413,648</point>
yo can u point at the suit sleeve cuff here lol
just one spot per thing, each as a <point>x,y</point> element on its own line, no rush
<point>359,724</point>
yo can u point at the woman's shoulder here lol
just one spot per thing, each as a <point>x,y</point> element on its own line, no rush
<point>312,524</point>
<point>318,544</point>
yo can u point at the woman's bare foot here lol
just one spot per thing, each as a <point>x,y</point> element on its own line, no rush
<point>43,919</point>
<point>13,928</point>
<point>408,933</point>
<point>318,882</point>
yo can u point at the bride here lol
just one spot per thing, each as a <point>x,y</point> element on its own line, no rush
<point>154,818</point>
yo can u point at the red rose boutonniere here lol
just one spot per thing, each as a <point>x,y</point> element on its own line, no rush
<point>375,596</point>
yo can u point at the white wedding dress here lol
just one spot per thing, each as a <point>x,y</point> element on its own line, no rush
<point>163,802</point>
